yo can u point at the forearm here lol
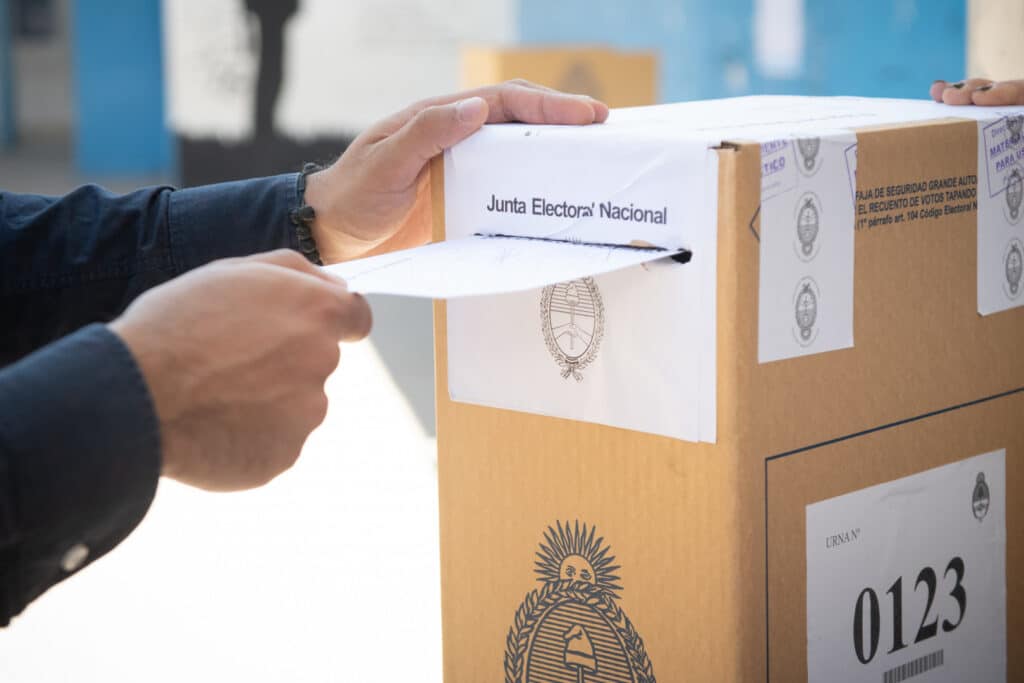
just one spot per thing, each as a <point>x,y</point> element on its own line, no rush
<point>79,460</point>
<point>68,261</point>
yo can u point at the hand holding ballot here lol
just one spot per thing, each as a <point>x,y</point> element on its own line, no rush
<point>235,355</point>
<point>374,198</point>
<point>979,91</point>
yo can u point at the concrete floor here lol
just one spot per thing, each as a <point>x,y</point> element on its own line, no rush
<point>330,573</point>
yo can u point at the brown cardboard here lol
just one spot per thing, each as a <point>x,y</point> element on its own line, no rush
<point>619,78</point>
<point>710,537</point>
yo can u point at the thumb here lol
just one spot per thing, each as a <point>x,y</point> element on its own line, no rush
<point>431,131</point>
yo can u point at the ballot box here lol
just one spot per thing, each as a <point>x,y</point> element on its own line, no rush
<point>621,78</point>
<point>797,456</point>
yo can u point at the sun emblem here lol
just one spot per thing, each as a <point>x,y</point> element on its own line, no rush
<point>1014,124</point>
<point>1014,193</point>
<point>806,309</point>
<point>571,630</point>
<point>808,220</point>
<point>808,148</point>
<point>572,320</point>
<point>1014,266</point>
<point>980,498</point>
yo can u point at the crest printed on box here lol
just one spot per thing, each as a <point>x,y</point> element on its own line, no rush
<point>571,630</point>
<point>805,310</point>
<point>809,148</point>
<point>980,498</point>
<point>1014,124</point>
<point>572,321</point>
<point>808,225</point>
<point>1014,194</point>
<point>1013,267</point>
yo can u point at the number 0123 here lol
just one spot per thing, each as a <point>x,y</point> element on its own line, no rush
<point>867,611</point>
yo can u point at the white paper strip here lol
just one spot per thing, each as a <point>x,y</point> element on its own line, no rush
<point>621,349</point>
<point>806,271</point>
<point>1001,213</point>
<point>478,266</point>
<point>632,349</point>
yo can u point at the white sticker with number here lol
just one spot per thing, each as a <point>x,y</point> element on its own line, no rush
<point>906,581</point>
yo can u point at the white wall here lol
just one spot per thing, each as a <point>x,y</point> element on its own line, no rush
<point>995,38</point>
<point>347,63</point>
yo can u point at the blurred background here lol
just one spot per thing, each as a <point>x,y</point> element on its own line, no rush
<point>332,571</point>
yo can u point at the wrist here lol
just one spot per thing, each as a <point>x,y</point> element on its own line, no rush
<point>156,367</point>
<point>335,238</point>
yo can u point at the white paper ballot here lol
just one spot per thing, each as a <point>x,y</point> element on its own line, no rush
<point>481,265</point>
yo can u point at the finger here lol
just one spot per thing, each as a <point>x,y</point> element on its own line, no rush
<point>529,105</point>
<point>354,318</point>
<point>430,132</point>
<point>563,108</point>
<point>960,92</point>
<point>1001,94</point>
<point>936,90</point>
<point>528,102</point>
<point>293,260</point>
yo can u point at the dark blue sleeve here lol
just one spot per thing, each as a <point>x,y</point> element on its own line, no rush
<point>79,460</point>
<point>79,437</point>
<point>68,261</point>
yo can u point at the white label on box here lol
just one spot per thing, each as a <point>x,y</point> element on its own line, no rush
<point>806,272</point>
<point>621,349</point>
<point>908,578</point>
<point>634,348</point>
<point>1000,214</point>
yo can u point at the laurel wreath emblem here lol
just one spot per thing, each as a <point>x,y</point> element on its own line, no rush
<point>537,602</point>
<point>572,366</point>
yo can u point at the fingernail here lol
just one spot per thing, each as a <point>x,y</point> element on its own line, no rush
<point>958,85</point>
<point>985,88</point>
<point>470,109</point>
<point>938,80</point>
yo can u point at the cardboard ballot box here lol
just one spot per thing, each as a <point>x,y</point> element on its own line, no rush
<point>620,78</point>
<point>848,504</point>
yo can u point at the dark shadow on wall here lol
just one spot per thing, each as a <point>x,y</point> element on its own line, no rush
<point>206,161</point>
<point>403,327</point>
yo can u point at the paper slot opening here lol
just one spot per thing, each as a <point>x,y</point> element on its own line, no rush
<point>481,265</point>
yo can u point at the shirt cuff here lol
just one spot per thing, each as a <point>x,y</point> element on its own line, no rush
<point>81,441</point>
<point>232,219</point>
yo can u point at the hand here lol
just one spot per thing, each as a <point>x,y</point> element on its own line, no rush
<point>235,355</point>
<point>979,91</point>
<point>375,197</point>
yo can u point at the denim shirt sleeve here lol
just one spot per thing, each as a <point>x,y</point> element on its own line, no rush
<point>69,261</point>
<point>79,460</point>
<point>79,436</point>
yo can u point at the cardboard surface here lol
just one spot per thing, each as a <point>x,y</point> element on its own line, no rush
<point>619,78</point>
<point>711,586</point>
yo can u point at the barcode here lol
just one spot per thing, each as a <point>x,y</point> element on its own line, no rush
<point>913,667</point>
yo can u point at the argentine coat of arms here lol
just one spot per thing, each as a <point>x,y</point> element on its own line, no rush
<point>571,629</point>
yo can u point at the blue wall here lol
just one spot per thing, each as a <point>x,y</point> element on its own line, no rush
<point>892,48</point>
<point>118,76</point>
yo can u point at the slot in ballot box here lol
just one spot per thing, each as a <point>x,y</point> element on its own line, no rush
<point>798,457</point>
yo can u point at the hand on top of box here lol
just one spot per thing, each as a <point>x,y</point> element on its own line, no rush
<point>981,91</point>
<point>374,198</point>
